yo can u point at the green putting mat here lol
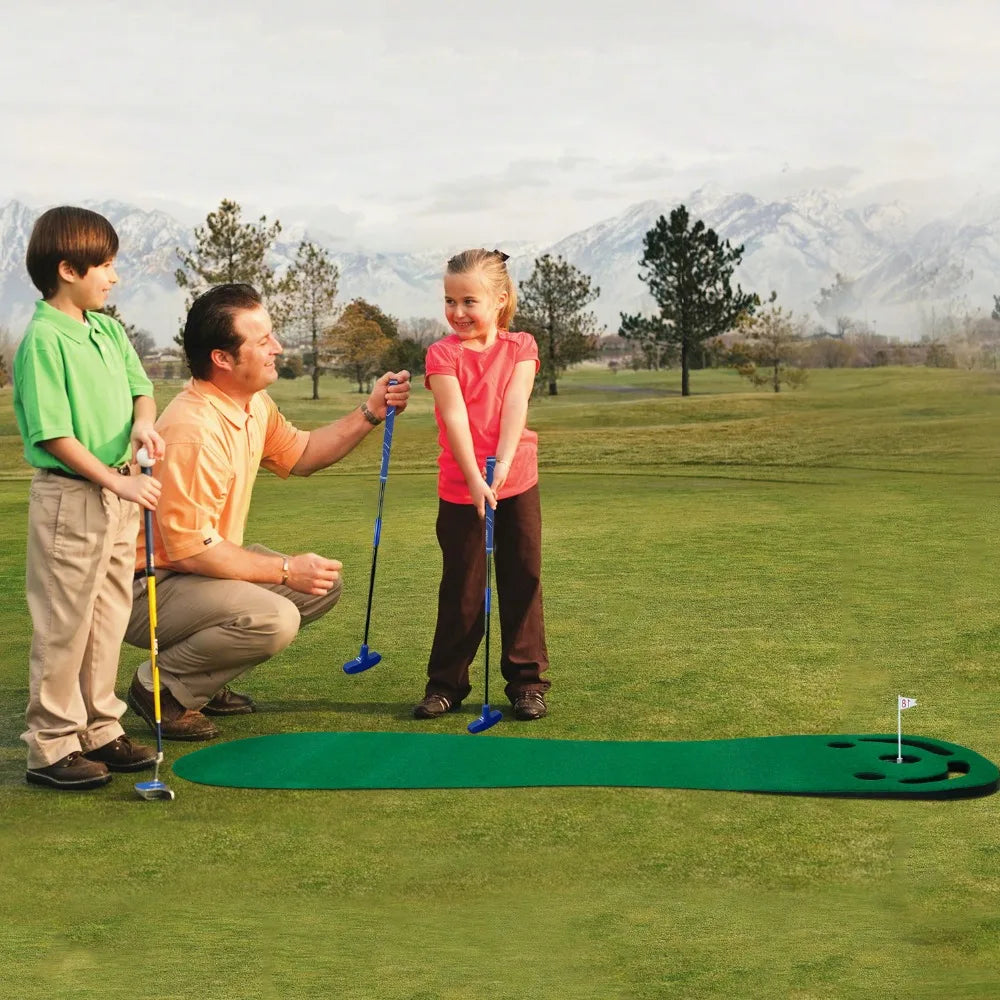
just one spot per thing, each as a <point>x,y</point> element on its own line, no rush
<point>793,765</point>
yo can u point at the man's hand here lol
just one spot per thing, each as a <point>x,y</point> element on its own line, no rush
<point>309,573</point>
<point>384,395</point>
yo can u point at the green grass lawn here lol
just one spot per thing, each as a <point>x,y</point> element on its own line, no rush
<point>729,564</point>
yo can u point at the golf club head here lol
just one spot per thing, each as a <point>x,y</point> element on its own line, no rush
<point>362,661</point>
<point>489,718</point>
<point>152,790</point>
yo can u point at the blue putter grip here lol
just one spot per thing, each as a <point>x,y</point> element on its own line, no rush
<point>491,464</point>
<point>390,420</point>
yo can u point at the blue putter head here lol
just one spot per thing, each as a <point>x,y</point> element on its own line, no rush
<point>489,718</point>
<point>362,661</point>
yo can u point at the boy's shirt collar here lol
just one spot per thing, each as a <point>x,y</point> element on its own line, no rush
<point>73,328</point>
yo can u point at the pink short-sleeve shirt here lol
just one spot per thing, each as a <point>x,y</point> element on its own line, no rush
<point>483,377</point>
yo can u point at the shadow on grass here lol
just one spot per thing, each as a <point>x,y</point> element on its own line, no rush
<point>397,710</point>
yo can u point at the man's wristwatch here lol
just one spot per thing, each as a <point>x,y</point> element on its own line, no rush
<point>285,571</point>
<point>369,416</point>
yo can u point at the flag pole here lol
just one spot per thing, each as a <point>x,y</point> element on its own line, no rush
<point>899,729</point>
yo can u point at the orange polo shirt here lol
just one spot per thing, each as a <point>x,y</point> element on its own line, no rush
<point>214,448</point>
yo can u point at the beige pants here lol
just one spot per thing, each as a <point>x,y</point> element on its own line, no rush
<point>209,631</point>
<point>81,556</point>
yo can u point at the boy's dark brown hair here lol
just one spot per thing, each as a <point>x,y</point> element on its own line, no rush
<point>78,236</point>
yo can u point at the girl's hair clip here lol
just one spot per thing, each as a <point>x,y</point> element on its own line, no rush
<point>504,257</point>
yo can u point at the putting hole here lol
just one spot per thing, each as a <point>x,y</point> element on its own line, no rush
<point>840,746</point>
<point>908,758</point>
<point>870,776</point>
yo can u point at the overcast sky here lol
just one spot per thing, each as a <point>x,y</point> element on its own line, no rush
<point>407,124</point>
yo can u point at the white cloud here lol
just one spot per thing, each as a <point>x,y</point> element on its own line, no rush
<point>403,120</point>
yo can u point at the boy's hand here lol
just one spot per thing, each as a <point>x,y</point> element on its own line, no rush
<point>481,496</point>
<point>144,435</point>
<point>143,490</point>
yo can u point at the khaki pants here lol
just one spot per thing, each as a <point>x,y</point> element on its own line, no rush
<point>81,556</point>
<point>210,631</point>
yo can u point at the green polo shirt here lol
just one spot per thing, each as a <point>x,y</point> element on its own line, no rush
<point>78,380</point>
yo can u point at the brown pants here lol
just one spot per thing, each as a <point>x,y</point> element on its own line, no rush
<point>81,556</point>
<point>517,559</point>
<point>209,631</point>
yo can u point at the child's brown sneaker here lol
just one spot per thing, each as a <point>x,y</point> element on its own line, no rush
<point>123,755</point>
<point>434,705</point>
<point>529,705</point>
<point>73,772</point>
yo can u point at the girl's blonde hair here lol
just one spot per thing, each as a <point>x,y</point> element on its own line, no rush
<point>493,267</point>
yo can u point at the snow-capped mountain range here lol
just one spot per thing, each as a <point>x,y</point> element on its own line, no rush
<point>904,272</point>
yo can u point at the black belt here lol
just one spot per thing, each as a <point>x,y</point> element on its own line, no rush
<point>122,470</point>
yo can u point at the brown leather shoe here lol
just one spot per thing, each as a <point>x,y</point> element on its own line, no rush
<point>434,705</point>
<point>530,705</point>
<point>177,722</point>
<point>229,702</point>
<point>123,755</point>
<point>72,772</point>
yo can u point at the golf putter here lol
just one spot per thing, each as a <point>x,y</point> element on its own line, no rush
<point>490,716</point>
<point>155,789</point>
<point>368,658</point>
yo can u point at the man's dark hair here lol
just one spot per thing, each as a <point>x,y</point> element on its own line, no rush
<point>78,236</point>
<point>209,325</point>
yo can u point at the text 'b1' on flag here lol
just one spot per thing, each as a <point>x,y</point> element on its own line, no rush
<point>906,702</point>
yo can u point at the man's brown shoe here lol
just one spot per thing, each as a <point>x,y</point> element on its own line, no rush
<point>529,705</point>
<point>123,755</point>
<point>177,722</point>
<point>434,705</point>
<point>73,772</point>
<point>229,702</point>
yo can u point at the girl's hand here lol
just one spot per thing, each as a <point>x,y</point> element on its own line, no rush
<point>481,496</point>
<point>501,470</point>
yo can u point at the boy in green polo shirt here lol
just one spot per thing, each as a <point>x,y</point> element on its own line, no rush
<point>84,407</point>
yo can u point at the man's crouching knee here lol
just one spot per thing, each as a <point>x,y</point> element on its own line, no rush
<point>276,627</point>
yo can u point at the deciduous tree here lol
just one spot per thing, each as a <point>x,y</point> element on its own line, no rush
<point>142,340</point>
<point>356,345</point>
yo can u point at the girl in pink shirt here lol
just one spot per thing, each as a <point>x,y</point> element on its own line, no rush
<point>481,376</point>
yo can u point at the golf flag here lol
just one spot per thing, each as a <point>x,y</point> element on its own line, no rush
<point>906,702</point>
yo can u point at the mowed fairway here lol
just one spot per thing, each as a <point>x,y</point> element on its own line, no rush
<point>734,563</point>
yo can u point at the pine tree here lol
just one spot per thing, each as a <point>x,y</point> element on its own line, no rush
<point>551,306</point>
<point>772,340</point>
<point>688,271</point>
<point>228,250</point>
<point>306,301</point>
